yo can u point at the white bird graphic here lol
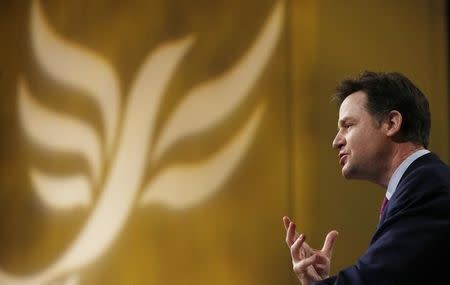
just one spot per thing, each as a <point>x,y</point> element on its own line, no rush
<point>128,129</point>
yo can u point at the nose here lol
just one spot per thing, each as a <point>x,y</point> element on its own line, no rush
<point>339,141</point>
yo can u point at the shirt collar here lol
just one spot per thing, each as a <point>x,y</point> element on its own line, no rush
<point>398,173</point>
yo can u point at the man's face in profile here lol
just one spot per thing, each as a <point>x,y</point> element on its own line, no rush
<point>360,140</point>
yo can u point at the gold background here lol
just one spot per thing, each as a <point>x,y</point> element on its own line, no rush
<point>235,236</point>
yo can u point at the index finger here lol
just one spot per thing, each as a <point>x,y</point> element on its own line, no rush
<point>286,222</point>
<point>291,234</point>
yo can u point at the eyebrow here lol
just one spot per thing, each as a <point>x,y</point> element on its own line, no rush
<point>344,120</point>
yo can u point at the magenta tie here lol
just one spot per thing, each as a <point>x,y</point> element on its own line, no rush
<point>383,206</point>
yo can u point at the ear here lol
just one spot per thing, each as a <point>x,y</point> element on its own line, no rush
<point>393,123</point>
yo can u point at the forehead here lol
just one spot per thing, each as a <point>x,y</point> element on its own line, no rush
<point>353,106</point>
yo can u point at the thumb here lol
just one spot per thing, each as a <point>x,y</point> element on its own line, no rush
<point>328,245</point>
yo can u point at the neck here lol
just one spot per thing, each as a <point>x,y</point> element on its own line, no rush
<point>399,153</point>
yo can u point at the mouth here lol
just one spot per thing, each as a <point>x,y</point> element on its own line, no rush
<point>343,159</point>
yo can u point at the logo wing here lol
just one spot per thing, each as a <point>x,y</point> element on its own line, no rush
<point>58,133</point>
<point>181,187</point>
<point>77,68</point>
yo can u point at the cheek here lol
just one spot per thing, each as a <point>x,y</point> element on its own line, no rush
<point>360,142</point>
<point>361,137</point>
<point>367,144</point>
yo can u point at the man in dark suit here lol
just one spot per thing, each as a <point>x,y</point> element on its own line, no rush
<point>383,130</point>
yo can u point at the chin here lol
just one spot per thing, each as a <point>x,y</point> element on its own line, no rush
<point>346,172</point>
<point>346,175</point>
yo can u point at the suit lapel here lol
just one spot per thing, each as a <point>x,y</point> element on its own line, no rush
<point>423,160</point>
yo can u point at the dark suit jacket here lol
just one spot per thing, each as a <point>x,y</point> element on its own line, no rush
<point>412,242</point>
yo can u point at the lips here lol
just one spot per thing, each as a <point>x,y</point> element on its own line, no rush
<point>343,158</point>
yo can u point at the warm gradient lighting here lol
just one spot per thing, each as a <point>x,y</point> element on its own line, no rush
<point>127,145</point>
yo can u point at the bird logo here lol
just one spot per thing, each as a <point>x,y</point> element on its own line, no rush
<point>117,163</point>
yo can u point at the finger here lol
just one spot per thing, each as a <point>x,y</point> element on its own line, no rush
<point>286,222</point>
<point>296,248</point>
<point>328,245</point>
<point>291,234</point>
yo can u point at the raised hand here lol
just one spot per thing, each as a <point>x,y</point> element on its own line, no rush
<point>308,264</point>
